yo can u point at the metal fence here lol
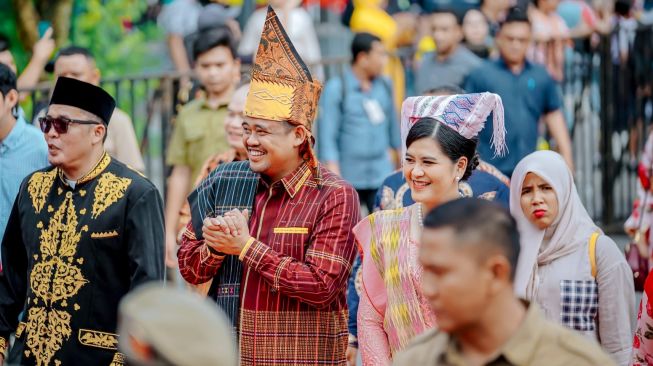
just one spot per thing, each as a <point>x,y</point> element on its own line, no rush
<point>608,104</point>
<point>152,101</point>
<point>607,132</point>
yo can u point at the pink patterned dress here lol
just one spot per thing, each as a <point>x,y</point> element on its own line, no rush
<point>643,340</point>
<point>392,309</point>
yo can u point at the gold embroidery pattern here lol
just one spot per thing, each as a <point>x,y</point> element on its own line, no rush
<point>302,180</point>
<point>20,329</point>
<point>118,359</point>
<point>94,338</point>
<point>3,345</point>
<point>290,230</point>
<point>99,168</point>
<point>108,191</point>
<point>39,186</point>
<point>54,280</point>
<point>266,95</point>
<point>46,330</point>
<point>103,235</point>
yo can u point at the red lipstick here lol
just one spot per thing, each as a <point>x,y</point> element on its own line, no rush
<point>539,213</point>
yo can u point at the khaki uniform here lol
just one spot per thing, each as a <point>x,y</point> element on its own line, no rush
<point>198,134</point>
<point>536,342</point>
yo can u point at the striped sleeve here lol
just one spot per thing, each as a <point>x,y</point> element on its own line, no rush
<point>197,263</point>
<point>319,278</point>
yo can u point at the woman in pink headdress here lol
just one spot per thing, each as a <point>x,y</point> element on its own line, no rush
<point>440,151</point>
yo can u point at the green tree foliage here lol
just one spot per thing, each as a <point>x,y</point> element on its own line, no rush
<point>123,45</point>
<point>106,28</point>
<point>8,27</point>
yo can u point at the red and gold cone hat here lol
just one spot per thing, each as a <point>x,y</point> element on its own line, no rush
<point>282,88</point>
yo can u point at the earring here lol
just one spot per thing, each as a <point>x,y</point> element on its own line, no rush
<point>457,179</point>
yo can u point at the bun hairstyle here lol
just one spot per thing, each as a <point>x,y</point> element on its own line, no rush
<point>452,144</point>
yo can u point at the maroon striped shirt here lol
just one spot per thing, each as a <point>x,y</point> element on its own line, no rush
<point>293,306</point>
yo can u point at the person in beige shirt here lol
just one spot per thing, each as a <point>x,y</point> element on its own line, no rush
<point>121,143</point>
<point>469,250</point>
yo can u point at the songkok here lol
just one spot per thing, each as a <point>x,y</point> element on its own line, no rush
<point>464,113</point>
<point>85,96</point>
<point>177,325</point>
<point>282,88</point>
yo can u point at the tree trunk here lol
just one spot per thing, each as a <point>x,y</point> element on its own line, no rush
<point>27,23</point>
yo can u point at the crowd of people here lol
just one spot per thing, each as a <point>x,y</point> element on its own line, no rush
<point>308,225</point>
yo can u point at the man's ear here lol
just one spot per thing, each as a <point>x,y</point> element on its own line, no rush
<point>96,76</point>
<point>501,270</point>
<point>99,133</point>
<point>11,98</point>
<point>301,135</point>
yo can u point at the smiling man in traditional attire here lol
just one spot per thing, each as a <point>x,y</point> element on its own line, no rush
<point>81,234</point>
<point>280,274</point>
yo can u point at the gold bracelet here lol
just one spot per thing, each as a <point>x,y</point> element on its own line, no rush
<point>247,245</point>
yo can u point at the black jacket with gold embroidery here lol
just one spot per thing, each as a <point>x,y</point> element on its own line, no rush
<point>69,255</point>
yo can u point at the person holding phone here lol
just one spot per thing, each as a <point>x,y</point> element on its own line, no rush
<point>41,53</point>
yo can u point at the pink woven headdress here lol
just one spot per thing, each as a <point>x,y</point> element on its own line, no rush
<point>465,113</point>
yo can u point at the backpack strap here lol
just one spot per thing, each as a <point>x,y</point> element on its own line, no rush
<point>592,252</point>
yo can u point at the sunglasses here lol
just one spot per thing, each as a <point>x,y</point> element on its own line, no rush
<point>61,124</point>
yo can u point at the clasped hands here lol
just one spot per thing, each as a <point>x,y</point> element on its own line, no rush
<point>228,233</point>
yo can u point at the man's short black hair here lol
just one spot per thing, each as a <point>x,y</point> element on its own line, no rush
<point>483,223</point>
<point>7,80</point>
<point>515,15</point>
<point>75,50</point>
<point>69,51</point>
<point>4,43</point>
<point>362,43</point>
<point>454,12</point>
<point>215,37</point>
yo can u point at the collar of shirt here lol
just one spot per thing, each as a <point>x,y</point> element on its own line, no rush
<point>101,165</point>
<point>205,104</point>
<point>518,349</point>
<point>352,82</point>
<point>452,58</point>
<point>502,63</point>
<point>292,182</point>
<point>13,139</point>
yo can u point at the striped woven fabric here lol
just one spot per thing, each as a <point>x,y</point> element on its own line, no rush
<point>229,186</point>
